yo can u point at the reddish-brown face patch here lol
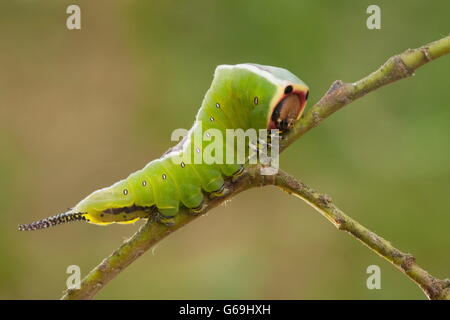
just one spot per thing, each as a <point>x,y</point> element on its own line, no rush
<point>286,112</point>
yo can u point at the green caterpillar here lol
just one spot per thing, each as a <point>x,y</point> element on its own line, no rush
<point>241,96</point>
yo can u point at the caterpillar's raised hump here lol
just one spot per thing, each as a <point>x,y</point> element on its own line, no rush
<point>242,97</point>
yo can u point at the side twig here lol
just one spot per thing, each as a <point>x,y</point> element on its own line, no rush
<point>339,95</point>
<point>434,288</point>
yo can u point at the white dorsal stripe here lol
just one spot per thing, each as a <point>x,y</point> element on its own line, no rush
<point>253,68</point>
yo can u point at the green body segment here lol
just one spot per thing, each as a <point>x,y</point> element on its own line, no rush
<point>240,97</point>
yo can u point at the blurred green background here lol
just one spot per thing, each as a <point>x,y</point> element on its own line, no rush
<point>82,109</point>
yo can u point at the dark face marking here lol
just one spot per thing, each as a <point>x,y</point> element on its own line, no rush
<point>307,95</point>
<point>288,89</point>
<point>286,112</point>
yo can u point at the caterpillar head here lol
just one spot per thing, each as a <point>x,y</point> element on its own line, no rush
<point>279,97</point>
<point>289,99</point>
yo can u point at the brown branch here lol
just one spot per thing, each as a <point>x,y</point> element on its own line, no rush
<point>434,288</point>
<point>150,234</point>
<point>339,95</point>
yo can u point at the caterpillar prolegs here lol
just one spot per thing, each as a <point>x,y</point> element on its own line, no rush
<point>243,96</point>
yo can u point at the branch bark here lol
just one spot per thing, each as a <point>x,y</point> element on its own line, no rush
<point>339,95</point>
<point>434,288</point>
<point>150,234</point>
